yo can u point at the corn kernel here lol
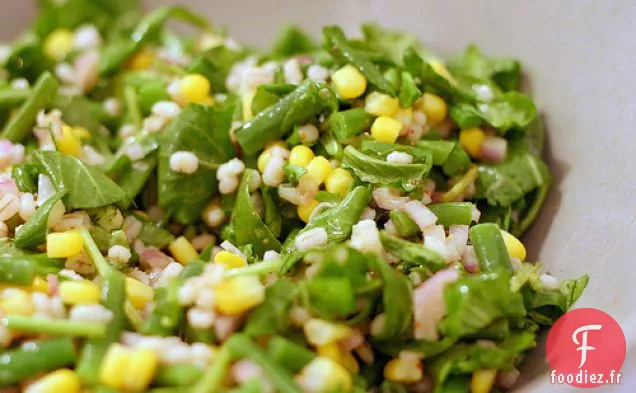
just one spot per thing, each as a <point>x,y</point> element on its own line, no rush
<point>441,69</point>
<point>301,155</point>
<point>69,143</point>
<point>403,370</point>
<point>404,116</point>
<point>142,59</point>
<point>40,285</point>
<point>246,100</point>
<point>472,139</point>
<point>114,366</point>
<point>62,380</point>
<point>64,244</point>
<point>229,260</point>
<point>18,302</point>
<point>79,292</point>
<point>379,104</point>
<point>349,82</point>
<point>304,211</point>
<point>182,250</point>
<point>318,169</point>
<point>434,107</point>
<point>236,295</point>
<point>339,181</point>
<point>139,293</point>
<point>81,132</point>
<point>276,143</point>
<point>320,332</point>
<point>195,87</point>
<point>350,363</point>
<point>482,381</point>
<point>59,43</point>
<point>142,365</point>
<point>337,354</point>
<point>263,160</point>
<point>514,246</point>
<point>385,129</point>
<point>324,375</point>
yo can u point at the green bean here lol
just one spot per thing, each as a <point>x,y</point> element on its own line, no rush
<point>12,97</point>
<point>241,346</point>
<point>490,248</point>
<point>19,125</point>
<point>35,358</point>
<point>460,187</point>
<point>215,373</point>
<point>53,326</point>
<point>404,224</point>
<point>346,124</point>
<point>21,270</point>
<point>331,146</point>
<point>177,375</point>
<point>113,298</point>
<point>453,213</point>
<point>287,353</point>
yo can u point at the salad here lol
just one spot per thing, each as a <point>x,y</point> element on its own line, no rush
<point>182,213</point>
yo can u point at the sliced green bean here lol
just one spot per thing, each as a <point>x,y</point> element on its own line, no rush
<point>54,326</point>
<point>404,224</point>
<point>287,353</point>
<point>490,248</point>
<point>346,124</point>
<point>453,213</point>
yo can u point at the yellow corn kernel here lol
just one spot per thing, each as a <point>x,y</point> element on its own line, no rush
<point>138,292</point>
<point>304,211</point>
<point>434,107</point>
<point>385,129</point>
<point>318,169</point>
<point>349,82</point>
<point>482,381</point>
<point>379,104</point>
<point>59,43</point>
<point>195,87</point>
<point>114,366</point>
<point>325,375</point>
<point>236,295</point>
<point>64,244</point>
<point>229,260</point>
<point>69,143</point>
<point>246,103</point>
<point>403,370</point>
<point>142,59</point>
<point>442,70</point>
<point>18,302</point>
<point>339,181</point>
<point>320,332</point>
<point>40,285</point>
<point>337,354</point>
<point>404,116</point>
<point>277,143</point>
<point>472,139</point>
<point>514,246</point>
<point>142,365</point>
<point>81,132</point>
<point>79,292</point>
<point>301,155</point>
<point>62,380</point>
<point>263,160</point>
<point>182,250</point>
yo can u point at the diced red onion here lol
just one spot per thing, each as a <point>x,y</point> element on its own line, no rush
<point>469,260</point>
<point>8,186</point>
<point>225,325</point>
<point>353,341</point>
<point>54,284</point>
<point>494,149</point>
<point>428,304</point>
<point>422,216</point>
<point>154,258</point>
<point>456,242</point>
<point>387,199</point>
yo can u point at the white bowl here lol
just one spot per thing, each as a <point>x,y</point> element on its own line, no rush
<point>579,56</point>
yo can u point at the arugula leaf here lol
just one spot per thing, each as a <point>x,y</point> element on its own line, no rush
<point>273,218</point>
<point>306,101</point>
<point>411,253</point>
<point>294,173</point>
<point>472,63</point>
<point>272,316</point>
<point>376,171</point>
<point>457,161</point>
<point>85,186</point>
<point>33,232</point>
<point>339,220</point>
<point>338,45</point>
<point>440,150</point>
<point>133,176</point>
<point>330,297</point>
<point>391,43</point>
<point>546,306</point>
<point>409,92</point>
<point>504,112</point>
<point>474,302</point>
<point>25,176</point>
<point>292,41</point>
<point>27,60</point>
<point>215,65</point>
<point>248,226</point>
<point>153,234</point>
<point>204,131</point>
<point>383,149</point>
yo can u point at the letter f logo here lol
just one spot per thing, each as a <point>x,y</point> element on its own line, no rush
<point>583,344</point>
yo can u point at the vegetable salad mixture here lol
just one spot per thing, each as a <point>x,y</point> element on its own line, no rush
<point>181,213</point>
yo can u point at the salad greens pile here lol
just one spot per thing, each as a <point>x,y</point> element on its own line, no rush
<point>179,212</point>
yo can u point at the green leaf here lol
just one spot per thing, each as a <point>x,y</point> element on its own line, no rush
<point>273,217</point>
<point>204,131</point>
<point>507,111</point>
<point>389,42</point>
<point>294,173</point>
<point>472,63</point>
<point>331,297</point>
<point>457,161</point>
<point>409,92</point>
<point>440,150</point>
<point>546,306</point>
<point>292,41</point>
<point>133,176</point>
<point>411,253</point>
<point>383,149</point>
<point>27,60</point>
<point>248,226</point>
<point>474,302</point>
<point>33,232</point>
<point>25,176</point>
<point>272,316</point>
<point>377,171</point>
<point>152,234</point>
<point>215,65</point>
<point>338,45</point>
<point>85,187</point>
<point>268,95</point>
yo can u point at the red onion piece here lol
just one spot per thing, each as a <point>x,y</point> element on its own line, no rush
<point>494,149</point>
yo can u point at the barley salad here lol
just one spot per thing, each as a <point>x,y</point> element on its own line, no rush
<point>182,213</point>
